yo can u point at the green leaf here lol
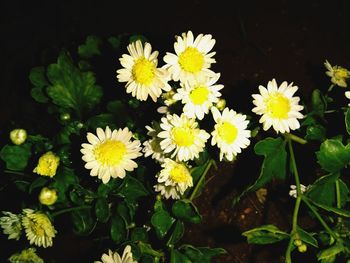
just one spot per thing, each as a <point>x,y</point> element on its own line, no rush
<point>333,155</point>
<point>64,178</point>
<point>63,137</point>
<point>316,132</point>
<point>124,212</point>
<point>39,95</point>
<point>90,48</point>
<point>37,77</point>
<point>147,249</point>
<point>347,120</point>
<point>266,234</point>
<point>16,156</point>
<point>134,38</point>
<point>139,234</point>
<point>186,211</point>
<point>77,197</point>
<point>101,121</point>
<point>132,189</point>
<point>318,102</point>
<point>38,182</point>
<point>115,42</point>
<point>103,190</point>
<point>196,173</point>
<point>70,88</point>
<point>102,210</point>
<point>118,229</point>
<point>201,254</point>
<point>338,211</point>
<point>177,257</point>
<point>83,223</point>
<point>177,233</point>
<point>307,237</point>
<point>329,254</point>
<point>162,221</point>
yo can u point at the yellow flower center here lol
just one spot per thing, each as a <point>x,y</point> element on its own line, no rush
<point>341,73</point>
<point>277,106</point>
<point>227,132</point>
<point>191,60</point>
<point>199,95</point>
<point>47,164</point>
<point>183,136</point>
<point>143,71</point>
<point>180,174</point>
<point>110,152</point>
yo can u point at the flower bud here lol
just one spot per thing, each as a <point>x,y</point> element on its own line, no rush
<point>47,164</point>
<point>298,242</point>
<point>65,116</point>
<point>221,104</point>
<point>18,136</point>
<point>47,196</point>
<point>302,248</point>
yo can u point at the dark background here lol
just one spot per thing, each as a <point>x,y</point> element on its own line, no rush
<point>255,42</point>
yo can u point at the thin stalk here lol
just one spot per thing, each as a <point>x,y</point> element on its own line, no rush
<point>294,166</point>
<point>330,88</point>
<point>295,138</point>
<point>199,183</point>
<point>16,173</point>
<point>323,223</point>
<point>70,209</point>
<point>337,192</point>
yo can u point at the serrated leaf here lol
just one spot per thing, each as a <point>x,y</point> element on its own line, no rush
<point>90,48</point>
<point>307,237</point>
<point>162,221</point>
<point>266,234</point>
<point>187,211</point>
<point>38,182</point>
<point>132,189</point>
<point>37,77</point>
<point>70,88</point>
<point>102,210</point>
<point>333,155</point>
<point>83,223</point>
<point>316,132</point>
<point>201,254</point>
<point>347,120</point>
<point>16,156</point>
<point>39,95</point>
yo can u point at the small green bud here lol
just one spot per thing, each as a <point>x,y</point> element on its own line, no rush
<point>221,104</point>
<point>65,116</point>
<point>298,242</point>
<point>18,136</point>
<point>302,248</point>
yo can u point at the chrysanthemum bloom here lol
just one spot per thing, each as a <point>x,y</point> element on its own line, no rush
<point>141,74</point>
<point>115,258</point>
<point>11,225</point>
<point>47,164</point>
<point>181,137</point>
<point>18,136</point>
<point>47,196</point>
<point>26,256</point>
<point>347,95</point>
<point>192,59</point>
<point>38,227</point>
<point>110,153</point>
<point>199,96</point>
<point>151,147</point>
<point>173,179</point>
<point>278,107</point>
<point>338,74</point>
<point>230,132</point>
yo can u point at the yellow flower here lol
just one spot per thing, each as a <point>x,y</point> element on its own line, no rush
<point>47,196</point>
<point>338,74</point>
<point>38,227</point>
<point>11,225</point>
<point>18,136</point>
<point>47,164</point>
<point>26,256</point>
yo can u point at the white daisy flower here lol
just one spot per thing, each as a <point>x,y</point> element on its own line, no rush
<point>293,191</point>
<point>181,137</point>
<point>338,74</point>
<point>110,153</point>
<point>11,225</point>
<point>347,95</point>
<point>173,179</point>
<point>230,132</point>
<point>278,107</point>
<point>151,147</point>
<point>192,58</point>
<point>199,96</point>
<point>115,258</point>
<point>38,227</point>
<point>141,73</point>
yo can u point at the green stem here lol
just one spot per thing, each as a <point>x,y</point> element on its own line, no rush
<point>70,209</point>
<point>337,192</point>
<point>295,138</point>
<point>294,166</point>
<point>289,250</point>
<point>199,183</point>
<point>330,88</point>
<point>323,223</point>
<point>16,172</point>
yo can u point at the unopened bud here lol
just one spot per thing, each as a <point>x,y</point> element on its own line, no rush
<point>297,242</point>
<point>47,196</point>
<point>302,248</point>
<point>18,136</point>
<point>221,104</point>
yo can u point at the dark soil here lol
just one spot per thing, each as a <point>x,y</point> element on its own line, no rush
<point>255,42</point>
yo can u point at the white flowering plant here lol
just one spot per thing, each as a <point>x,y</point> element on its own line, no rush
<point>125,163</point>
